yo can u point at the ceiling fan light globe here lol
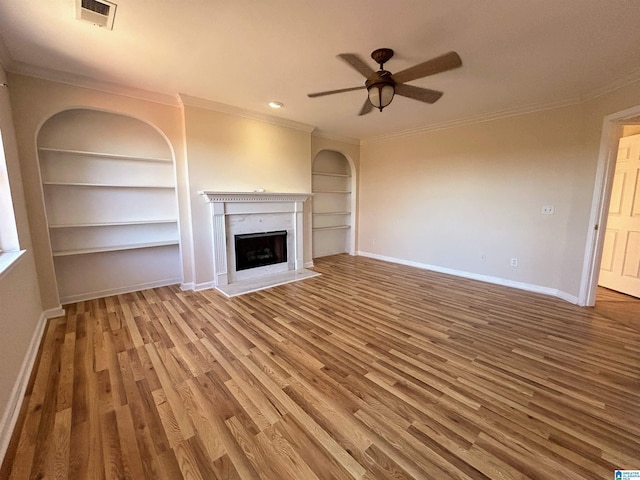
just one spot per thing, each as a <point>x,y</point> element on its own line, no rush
<point>381,94</point>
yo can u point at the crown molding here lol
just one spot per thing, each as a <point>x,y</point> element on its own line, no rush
<point>489,117</point>
<point>337,138</point>
<point>631,77</point>
<point>75,80</point>
<point>197,102</point>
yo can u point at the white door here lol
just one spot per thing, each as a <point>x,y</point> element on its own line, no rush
<point>620,267</point>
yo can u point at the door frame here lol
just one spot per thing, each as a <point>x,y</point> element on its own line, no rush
<point>611,132</point>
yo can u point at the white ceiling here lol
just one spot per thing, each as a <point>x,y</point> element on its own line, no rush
<point>518,55</point>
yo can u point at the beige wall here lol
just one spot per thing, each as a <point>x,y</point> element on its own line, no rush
<point>34,101</point>
<point>446,198</point>
<point>237,154</point>
<point>20,305</point>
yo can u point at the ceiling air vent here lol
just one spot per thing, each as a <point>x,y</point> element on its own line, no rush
<point>98,12</point>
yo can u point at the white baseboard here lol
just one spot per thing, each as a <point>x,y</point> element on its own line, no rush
<point>54,312</point>
<point>308,264</point>
<point>117,291</point>
<point>12,411</point>
<point>567,297</point>
<point>476,276</point>
<point>204,286</point>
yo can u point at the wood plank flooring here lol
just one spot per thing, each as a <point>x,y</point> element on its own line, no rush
<point>369,371</point>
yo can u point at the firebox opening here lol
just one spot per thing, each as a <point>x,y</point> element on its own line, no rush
<point>260,249</point>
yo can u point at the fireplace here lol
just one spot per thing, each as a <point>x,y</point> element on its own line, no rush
<point>249,215</point>
<point>260,249</point>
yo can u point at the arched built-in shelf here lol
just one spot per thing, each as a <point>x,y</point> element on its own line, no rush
<point>109,188</point>
<point>332,200</point>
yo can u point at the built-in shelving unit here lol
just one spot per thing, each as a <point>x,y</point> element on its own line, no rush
<point>109,189</point>
<point>332,219</point>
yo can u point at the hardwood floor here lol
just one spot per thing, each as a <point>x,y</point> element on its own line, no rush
<point>370,371</point>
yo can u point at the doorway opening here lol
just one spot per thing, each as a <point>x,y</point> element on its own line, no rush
<point>608,195</point>
<point>620,263</point>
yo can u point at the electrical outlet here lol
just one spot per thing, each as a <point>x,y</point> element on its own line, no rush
<point>548,210</point>
<point>514,262</point>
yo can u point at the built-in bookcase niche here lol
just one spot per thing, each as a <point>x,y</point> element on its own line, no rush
<point>108,182</point>
<point>332,204</point>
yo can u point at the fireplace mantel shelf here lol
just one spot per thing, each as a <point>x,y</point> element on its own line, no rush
<point>234,197</point>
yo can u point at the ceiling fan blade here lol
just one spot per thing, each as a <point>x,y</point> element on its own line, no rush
<point>418,93</point>
<point>445,62</point>
<point>366,108</point>
<point>356,62</point>
<point>331,92</point>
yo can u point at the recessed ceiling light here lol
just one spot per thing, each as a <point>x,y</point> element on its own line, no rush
<point>276,104</point>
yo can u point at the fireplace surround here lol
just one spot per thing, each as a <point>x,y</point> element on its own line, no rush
<point>254,213</point>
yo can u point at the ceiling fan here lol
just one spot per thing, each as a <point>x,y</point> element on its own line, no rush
<point>383,85</point>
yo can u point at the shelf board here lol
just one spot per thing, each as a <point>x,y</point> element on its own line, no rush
<point>331,213</point>
<point>105,185</point>
<point>113,224</point>
<point>331,191</point>
<point>114,248</point>
<point>336,227</point>
<point>327,174</point>
<point>116,156</point>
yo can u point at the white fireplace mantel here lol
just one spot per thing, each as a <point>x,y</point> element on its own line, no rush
<point>234,208</point>
<point>243,197</point>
